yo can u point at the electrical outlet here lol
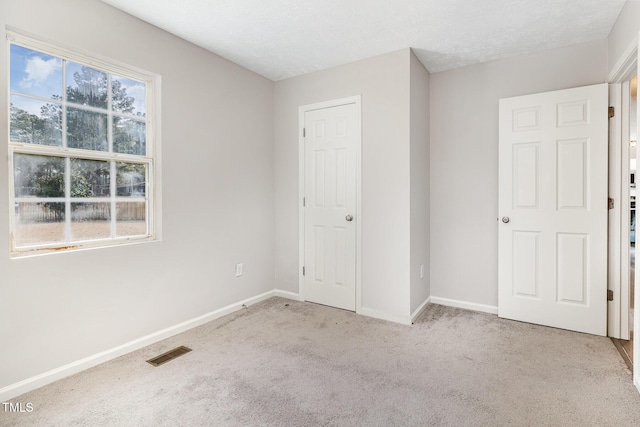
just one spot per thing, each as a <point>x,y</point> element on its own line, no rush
<point>239,268</point>
<point>422,271</point>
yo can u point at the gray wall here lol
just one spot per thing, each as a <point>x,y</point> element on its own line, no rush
<point>419,164</point>
<point>217,174</point>
<point>383,82</point>
<point>464,159</point>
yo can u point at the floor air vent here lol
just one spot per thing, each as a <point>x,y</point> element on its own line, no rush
<point>169,355</point>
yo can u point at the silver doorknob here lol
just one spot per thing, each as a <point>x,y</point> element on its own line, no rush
<point>505,219</point>
<point>348,218</point>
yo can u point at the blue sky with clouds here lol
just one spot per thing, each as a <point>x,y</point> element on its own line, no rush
<point>38,74</point>
<point>35,73</point>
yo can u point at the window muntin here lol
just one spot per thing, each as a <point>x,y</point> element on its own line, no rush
<point>80,151</point>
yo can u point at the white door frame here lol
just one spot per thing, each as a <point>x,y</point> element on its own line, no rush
<point>623,70</point>
<point>357,100</point>
<point>616,233</point>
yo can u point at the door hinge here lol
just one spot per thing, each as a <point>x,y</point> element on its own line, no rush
<point>304,201</point>
<point>303,271</point>
<point>612,112</point>
<point>609,295</point>
<point>304,132</point>
<point>610,203</point>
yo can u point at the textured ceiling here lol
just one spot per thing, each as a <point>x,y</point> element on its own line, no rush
<point>284,38</point>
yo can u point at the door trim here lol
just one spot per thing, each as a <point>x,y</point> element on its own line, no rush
<point>627,65</point>
<point>357,100</point>
<point>618,263</point>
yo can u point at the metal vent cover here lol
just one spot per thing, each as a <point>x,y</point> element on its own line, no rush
<point>169,355</point>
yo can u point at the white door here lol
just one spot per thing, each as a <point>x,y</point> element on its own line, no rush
<point>552,261</point>
<point>330,142</point>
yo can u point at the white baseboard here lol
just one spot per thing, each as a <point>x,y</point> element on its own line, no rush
<point>286,294</point>
<point>416,313</point>
<point>14,390</point>
<point>405,320</point>
<point>466,305</point>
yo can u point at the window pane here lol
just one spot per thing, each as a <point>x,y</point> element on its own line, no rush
<point>131,219</point>
<point>87,130</point>
<point>90,221</point>
<point>39,223</point>
<point>129,96</point>
<point>86,86</point>
<point>57,109</point>
<point>35,122</point>
<point>90,178</point>
<point>38,176</point>
<point>129,136</point>
<point>131,179</point>
<point>35,73</point>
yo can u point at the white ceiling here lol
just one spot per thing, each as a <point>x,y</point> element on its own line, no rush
<point>284,38</point>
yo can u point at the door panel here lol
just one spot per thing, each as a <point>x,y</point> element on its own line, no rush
<point>526,175</point>
<point>526,259</point>
<point>330,193</point>
<point>553,190</point>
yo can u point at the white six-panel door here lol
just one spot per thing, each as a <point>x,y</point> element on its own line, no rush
<point>330,217</point>
<point>553,209</point>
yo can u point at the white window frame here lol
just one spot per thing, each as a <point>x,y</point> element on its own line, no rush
<point>111,67</point>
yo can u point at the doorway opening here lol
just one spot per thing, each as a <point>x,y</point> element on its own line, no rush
<point>625,346</point>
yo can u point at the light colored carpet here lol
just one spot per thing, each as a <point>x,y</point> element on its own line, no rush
<point>286,363</point>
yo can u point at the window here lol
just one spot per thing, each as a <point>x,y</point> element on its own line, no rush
<point>80,151</point>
